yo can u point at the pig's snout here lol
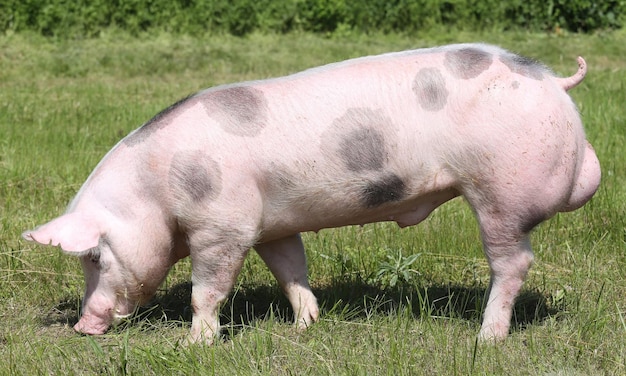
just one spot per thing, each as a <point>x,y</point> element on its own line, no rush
<point>587,182</point>
<point>93,324</point>
<point>99,313</point>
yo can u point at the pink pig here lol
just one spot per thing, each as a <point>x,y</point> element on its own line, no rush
<point>379,138</point>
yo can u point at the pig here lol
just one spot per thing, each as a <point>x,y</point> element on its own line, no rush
<point>378,138</point>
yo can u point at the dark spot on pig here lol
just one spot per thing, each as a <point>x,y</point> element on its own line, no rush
<point>363,150</point>
<point>357,138</point>
<point>194,175</point>
<point>467,63</point>
<point>430,87</point>
<point>389,188</point>
<point>515,85</point>
<point>159,121</point>
<point>240,110</point>
<point>524,66</point>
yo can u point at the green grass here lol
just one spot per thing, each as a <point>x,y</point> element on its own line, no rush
<point>64,104</point>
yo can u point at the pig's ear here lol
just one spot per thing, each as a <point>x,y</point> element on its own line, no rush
<point>73,232</point>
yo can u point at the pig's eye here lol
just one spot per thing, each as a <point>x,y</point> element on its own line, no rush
<point>94,258</point>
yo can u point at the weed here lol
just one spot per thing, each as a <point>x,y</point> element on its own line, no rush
<point>397,269</point>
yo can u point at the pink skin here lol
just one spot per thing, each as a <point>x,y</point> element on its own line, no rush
<point>384,138</point>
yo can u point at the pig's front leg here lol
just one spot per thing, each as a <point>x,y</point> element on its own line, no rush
<point>286,260</point>
<point>214,271</point>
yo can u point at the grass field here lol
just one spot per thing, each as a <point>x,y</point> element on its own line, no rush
<point>64,104</point>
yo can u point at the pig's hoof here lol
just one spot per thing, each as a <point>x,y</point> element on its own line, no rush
<point>307,318</point>
<point>493,333</point>
<point>206,337</point>
<point>190,340</point>
<point>302,325</point>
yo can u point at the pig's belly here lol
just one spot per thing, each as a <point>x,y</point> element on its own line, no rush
<point>404,213</point>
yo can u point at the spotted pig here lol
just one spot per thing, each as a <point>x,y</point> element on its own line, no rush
<point>379,138</point>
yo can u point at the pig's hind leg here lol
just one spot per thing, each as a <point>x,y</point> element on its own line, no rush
<point>507,247</point>
<point>509,265</point>
<point>287,261</point>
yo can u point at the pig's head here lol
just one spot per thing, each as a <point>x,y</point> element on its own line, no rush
<point>115,283</point>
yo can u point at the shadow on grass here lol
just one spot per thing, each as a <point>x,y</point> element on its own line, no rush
<point>349,300</point>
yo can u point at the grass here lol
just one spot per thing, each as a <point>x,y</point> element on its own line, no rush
<point>64,104</point>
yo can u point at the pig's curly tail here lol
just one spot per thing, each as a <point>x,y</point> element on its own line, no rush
<point>571,82</point>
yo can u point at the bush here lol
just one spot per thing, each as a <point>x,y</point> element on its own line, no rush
<point>580,15</point>
<point>72,18</point>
